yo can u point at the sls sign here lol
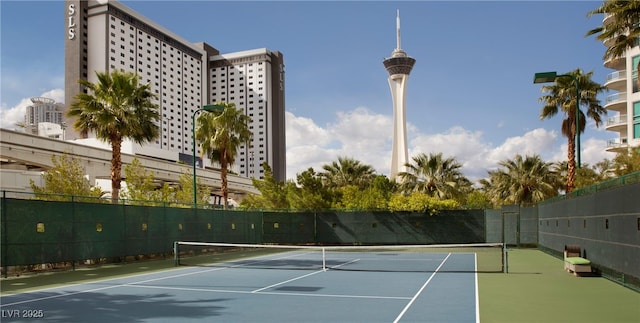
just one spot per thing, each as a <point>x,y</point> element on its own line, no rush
<point>71,22</point>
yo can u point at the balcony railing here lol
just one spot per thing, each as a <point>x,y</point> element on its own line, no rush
<point>616,97</point>
<point>617,80</point>
<point>617,143</point>
<point>617,75</point>
<point>617,120</point>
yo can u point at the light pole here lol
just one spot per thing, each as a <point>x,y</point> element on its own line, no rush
<point>548,77</point>
<point>207,108</point>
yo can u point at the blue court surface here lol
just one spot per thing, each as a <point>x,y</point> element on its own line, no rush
<point>424,288</point>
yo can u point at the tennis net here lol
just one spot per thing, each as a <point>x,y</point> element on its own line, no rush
<point>478,257</point>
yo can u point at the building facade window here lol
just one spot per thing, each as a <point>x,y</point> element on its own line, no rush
<point>634,72</point>
<point>636,119</point>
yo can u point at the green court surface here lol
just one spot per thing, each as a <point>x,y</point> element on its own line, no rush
<point>536,289</point>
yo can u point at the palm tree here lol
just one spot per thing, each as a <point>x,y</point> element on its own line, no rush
<point>347,171</point>
<point>434,175</point>
<point>116,108</point>
<point>222,134</point>
<point>626,163</point>
<point>561,96</point>
<point>522,181</point>
<point>623,27</point>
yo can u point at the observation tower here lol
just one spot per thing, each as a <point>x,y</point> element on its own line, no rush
<point>399,66</point>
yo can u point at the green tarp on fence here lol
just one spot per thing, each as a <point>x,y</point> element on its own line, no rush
<point>38,232</point>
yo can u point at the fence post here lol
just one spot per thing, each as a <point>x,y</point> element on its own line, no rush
<point>5,239</point>
<point>175,254</point>
<point>74,238</point>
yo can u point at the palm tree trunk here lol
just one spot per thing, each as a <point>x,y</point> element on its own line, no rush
<point>116,167</point>
<point>571,163</point>
<point>223,178</point>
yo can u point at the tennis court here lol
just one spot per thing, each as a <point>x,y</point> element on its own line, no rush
<point>283,285</point>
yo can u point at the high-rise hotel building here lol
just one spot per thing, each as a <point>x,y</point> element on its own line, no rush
<point>254,81</point>
<point>624,104</point>
<point>107,36</point>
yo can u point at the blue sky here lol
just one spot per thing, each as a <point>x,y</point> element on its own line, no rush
<point>469,96</point>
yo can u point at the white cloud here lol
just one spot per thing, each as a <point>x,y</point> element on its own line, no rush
<point>303,131</point>
<point>591,151</point>
<point>366,136</point>
<point>465,146</point>
<point>475,154</point>
<point>358,134</point>
<point>10,116</point>
<point>537,141</point>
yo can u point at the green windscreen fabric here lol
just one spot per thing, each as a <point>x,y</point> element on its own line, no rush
<point>465,226</point>
<point>145,230</point>
<point>285,227</point>
<point>99,230</point>
<point>237,227</point>
<point>37,232</point>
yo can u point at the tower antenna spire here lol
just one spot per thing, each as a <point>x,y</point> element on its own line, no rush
<point>398,29</point>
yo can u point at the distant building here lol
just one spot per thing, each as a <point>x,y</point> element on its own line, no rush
<point>623,105</point>
<point>108,36</point>
<point>254,81</point>
<point>44,110</point>
<point>51,130</point>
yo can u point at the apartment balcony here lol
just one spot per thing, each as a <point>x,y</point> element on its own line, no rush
<point>617,102</point>
<point>617,81</point>
<point>617,124</point>
<point>617,145</point>
<point>617,63</point>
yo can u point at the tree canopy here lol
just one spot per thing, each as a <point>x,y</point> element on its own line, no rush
<point>221,134</point>
<point>66,179</point>
<point>563,96</point>
<point>115,108</point>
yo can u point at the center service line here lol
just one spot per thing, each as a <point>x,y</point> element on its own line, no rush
<point>286,281</point>
<point>420,291</point>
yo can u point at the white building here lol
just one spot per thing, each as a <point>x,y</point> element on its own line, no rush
<point>43,110</point>
<point>623,105</point>
<point>107,36</point>
<point>51,130</point>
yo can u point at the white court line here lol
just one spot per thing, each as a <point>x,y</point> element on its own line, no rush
<point>115,286</point>
<point>420,290</point>
<point>259,291</point>
<point>300,277</point>
<point>98,289</point>
<point>58,296</point>
<point>269,293</point>
<point>475,259</point>
<point>286,281</point>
